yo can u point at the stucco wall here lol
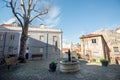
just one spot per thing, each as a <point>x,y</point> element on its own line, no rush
<point>34,43</point>
<point>95,50</point>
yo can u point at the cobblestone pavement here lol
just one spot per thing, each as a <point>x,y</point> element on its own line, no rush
<point>38,70</point>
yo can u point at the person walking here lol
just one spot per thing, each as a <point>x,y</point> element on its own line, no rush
<point>27,53</point>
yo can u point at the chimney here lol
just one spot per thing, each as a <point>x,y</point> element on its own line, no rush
<point>42,26</point>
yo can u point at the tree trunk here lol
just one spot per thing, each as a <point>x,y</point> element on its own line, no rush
<point>24,37</point>
<point>22,46</point>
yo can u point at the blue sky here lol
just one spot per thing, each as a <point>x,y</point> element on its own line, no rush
<point>78,17</point>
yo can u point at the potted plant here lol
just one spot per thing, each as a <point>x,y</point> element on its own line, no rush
<point>21,59</point>
<point>78,55</point>
<point>104,62</point>
<point>52,66</point>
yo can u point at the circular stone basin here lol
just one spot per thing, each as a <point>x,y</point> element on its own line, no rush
<point>68,67</point>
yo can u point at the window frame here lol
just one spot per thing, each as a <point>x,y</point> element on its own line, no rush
<point>116,49</point>
<point>41,49</point>
<point>12,36</point>
<point>94,41</point>
<point>41,37</point>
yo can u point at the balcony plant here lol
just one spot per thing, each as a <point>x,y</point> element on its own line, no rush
<point>52,66</point>
<point>104,62</point>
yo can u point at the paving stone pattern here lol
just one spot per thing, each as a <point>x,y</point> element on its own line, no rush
<point>38,69</point>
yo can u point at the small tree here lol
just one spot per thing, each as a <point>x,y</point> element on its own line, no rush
<point>26,11</point>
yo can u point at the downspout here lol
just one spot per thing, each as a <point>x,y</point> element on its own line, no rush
<point>47,46</point>
<point>106,49</point>
<point>103,45</point>
<point>4,45</point>
<point>19,44</point>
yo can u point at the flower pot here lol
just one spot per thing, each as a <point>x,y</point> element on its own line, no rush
<point>105,63</point>
<point>52,67</point>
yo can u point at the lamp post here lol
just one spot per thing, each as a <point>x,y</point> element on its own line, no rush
<point>47,45</point>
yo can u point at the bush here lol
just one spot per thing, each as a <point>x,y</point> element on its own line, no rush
<point>73,57</point>
<point>53,63</point>
<point>92,60</point>
<point>21,59</point>
<point>103,60</point>
<point>78,55</point>
<point>2,61</point>
<point>52,66</point>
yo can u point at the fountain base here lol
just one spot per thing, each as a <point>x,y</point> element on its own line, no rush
<point>69,67</point>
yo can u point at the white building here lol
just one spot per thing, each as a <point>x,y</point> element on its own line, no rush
<point>41,40</point>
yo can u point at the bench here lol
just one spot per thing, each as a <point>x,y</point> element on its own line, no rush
<point>11,61</point>
<point>37,56</point>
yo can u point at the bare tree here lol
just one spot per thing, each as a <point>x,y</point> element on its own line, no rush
<point>26,11</point>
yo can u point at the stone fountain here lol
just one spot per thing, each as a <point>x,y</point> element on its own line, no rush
<point>69,66</point>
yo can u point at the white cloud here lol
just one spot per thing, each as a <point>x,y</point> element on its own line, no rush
<point>66,45</point>
<point>10,21</point>
<point>106,27</point>
<point>53,17</point>
<point>54,12</point>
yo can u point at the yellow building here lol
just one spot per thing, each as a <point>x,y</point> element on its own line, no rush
<point>102,44</point>
<point>93,46</point>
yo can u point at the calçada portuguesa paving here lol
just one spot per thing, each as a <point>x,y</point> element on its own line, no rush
<point>38,69</point>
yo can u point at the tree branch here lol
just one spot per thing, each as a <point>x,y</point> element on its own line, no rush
<point>13,10</point>
<point>29,7</point>
<point>40,18</point>
<point>41,13</point>
<point>7,3</point>
<point>34,5</point>
<point>19,14</point>
<point>23,7</point>
<point>15,3</point>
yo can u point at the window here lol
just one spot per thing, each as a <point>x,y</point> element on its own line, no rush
<point>10,49</point>
<point>54,38</point>
<point>93,40</point>
<point>12,37</point>
<point>115,49</point>
<point>41,50</point>
<point>41,37</point>
<point>1,36</point>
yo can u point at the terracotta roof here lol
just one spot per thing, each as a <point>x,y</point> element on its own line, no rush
<point>90,35</point>
<point>77,50</point>
<point>10,25</point>
<point>6,25</point>
<point>65,49</point>
<point>34,27</point>
<point>117,29</point>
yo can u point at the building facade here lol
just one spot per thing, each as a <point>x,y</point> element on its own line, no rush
<point>117,30</point>
<point>112,38</point>
<point>41,40</point>
<point>102,44</point>
<point>9,43</point>
<point>93,46</point>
